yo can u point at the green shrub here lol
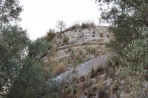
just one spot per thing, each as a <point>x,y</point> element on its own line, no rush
<point>135,57</point>
<point>29,82</point>
<point>37,48</point>
<point>79,60</point>
<point>114,60</point>
<point>55,89</point>
<point>144,95</point>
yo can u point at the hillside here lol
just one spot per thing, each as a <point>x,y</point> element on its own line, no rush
<point>76,46</point>
<point>80,60</point>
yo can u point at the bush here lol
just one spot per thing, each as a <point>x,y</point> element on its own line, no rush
<point>29,82</point>
<point>87,25</point>
<point>74,27</point>
<point>55,89</point>
<point>114,60</point>
<point>57,70</point>
<point>37,48</point>
<point>13,46</point>
<point>101,34</point>
<point>50,35</point>
<point>93,51</point>
<point>135,57</point>
<point>65,40</point>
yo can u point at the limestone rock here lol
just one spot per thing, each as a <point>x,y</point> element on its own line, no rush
<point>95,64</point>
<point>84,69</point>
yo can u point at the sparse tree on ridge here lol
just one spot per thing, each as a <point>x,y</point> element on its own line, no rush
<point>60,25</point>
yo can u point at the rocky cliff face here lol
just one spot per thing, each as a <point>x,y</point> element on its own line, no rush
<point>77,54</point>
<point>72,47</point>
<point>79,58</point>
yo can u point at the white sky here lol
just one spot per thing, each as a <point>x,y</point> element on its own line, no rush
<point>41,15</point>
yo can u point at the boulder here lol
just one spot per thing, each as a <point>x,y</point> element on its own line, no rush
<point>66,76</point>
<point>84,69</point>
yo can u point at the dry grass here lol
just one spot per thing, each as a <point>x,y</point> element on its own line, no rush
<point>87,25</point>
<point>101,35</point>
<point>65,40</point>
<point>93,51</point>
<point>82,79</point>
<point>46,62</point>
<point>80,89</point>
<point>73,27</point>
<point>101,82</point>
<point>104,51</point>
<point>100,39</point>
<point>94,88</point>
<point>58,69</point>
<point>84,25</point>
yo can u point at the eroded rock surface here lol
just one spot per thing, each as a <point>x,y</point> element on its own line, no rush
<point>85,69</point>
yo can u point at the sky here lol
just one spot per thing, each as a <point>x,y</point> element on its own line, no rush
<point>39,16</point>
